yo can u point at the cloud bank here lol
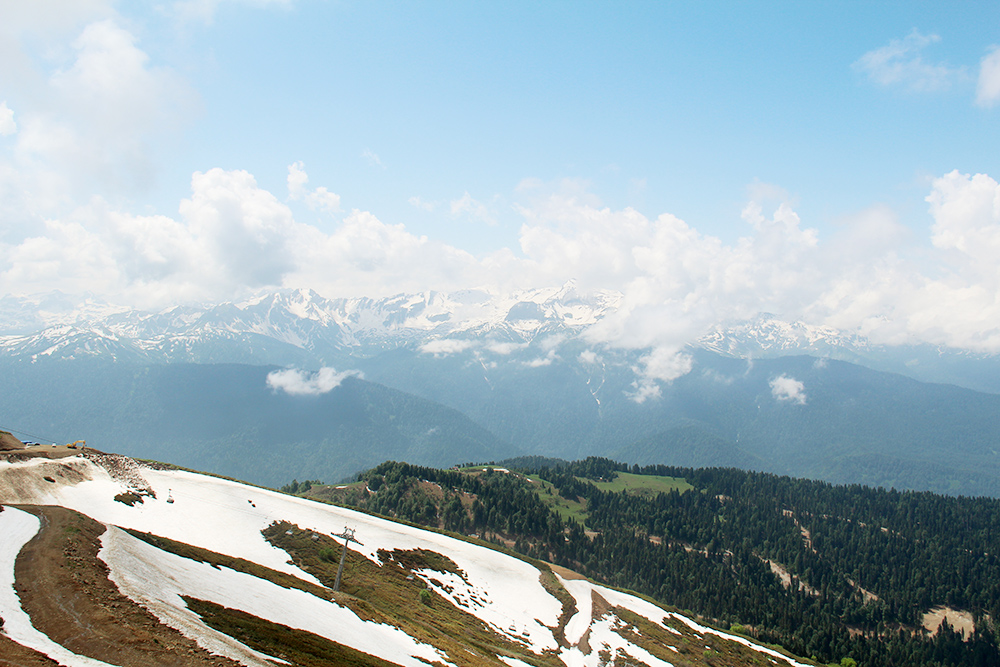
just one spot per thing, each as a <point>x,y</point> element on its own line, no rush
<point>70,156</point>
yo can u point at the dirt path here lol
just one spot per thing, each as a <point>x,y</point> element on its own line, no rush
<point>65,590</point>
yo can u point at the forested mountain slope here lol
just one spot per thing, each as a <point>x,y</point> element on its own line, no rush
<point>227,420</point>
<point>798,416</point>
<point>829,571</point>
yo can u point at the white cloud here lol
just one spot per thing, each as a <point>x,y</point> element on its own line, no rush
<point>539,362</point>
<point>666,364</point>
<point>372,158</point>
<point>443,347</point>
<point>644,390</point>
<point>417,202</point>
<point>96,111</point>
<point>900,63</point>
<point>246,230</point>
<point>319,198</point>
<point>663,364</point>
<point>300,383</point>
<point>988,86</point>
<point>589,357</point>
<point>472,208</point>
<point>785,389</point>
<point>7,124</point>
<point>232,237</point>
<point>505,348</point>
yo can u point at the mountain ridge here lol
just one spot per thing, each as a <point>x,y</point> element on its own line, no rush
<point>299,327</point>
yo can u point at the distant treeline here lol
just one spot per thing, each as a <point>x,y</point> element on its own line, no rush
<point>864,564</point>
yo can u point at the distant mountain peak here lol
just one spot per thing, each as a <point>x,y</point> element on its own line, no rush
<point>766,334</point>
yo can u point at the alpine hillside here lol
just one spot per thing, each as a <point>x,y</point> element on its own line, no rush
<point>106,561</point>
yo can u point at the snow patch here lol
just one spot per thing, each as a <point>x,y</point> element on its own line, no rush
<point>17,528</point>
<point>157,579</point>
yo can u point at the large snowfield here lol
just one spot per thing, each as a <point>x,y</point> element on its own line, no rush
<point>228,517</point>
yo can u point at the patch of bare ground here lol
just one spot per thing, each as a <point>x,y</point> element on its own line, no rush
<point>9,442</point>
<point>38,451</point>
<point>64,588</point>
<point>865,593</point>
<point>565,572</point>
<point>788,579</point>
<point>960,621</point>
<point>30,484</point>
<point>13,654</point>
<point>555,588</point>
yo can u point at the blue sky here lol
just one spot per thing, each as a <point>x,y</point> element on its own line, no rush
<point>664,108</point>
<point>708,160</point>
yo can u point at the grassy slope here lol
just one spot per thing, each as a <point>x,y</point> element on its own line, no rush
<point>624,481</point>
<point>643,484</point>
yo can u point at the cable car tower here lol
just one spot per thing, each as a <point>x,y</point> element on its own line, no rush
<point>347,536</point>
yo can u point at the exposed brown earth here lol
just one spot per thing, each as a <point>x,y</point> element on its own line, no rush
<point>9,442</point>
<point>565,573</point>
<point>64,588</point>
<point>13,654</point>
<point>38,451</point>
<point>960,621</point>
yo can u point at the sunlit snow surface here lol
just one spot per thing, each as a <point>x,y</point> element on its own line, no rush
<point>16,528</point>
<point>157,579</point>
<point>583,591</point>
<point>228,517</point>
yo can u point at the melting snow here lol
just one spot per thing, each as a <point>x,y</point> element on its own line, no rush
<point>214,514</point>
<point>156,579</point>
<point>228,517</point>
<point>17,528</point>
<point>582,590</point>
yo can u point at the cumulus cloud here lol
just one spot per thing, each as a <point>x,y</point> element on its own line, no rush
<point>417,202</point>
<point>443,347</point>
<point>786,389</point>
<point>988,85</point>
<point>546,360</point>
<point>7,124</point>
<point>300,383</point>
<point>98,111</point>
<point>467,206</point>
<point>505,348</point>
<point>116,97</point>
<point>663,364</point>
<point>672,282</point>
<point>317,199</point>
<point>900,63</point>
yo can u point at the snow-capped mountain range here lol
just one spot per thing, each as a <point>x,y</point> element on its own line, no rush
<point>300,323</point>
<point>302,328</point>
